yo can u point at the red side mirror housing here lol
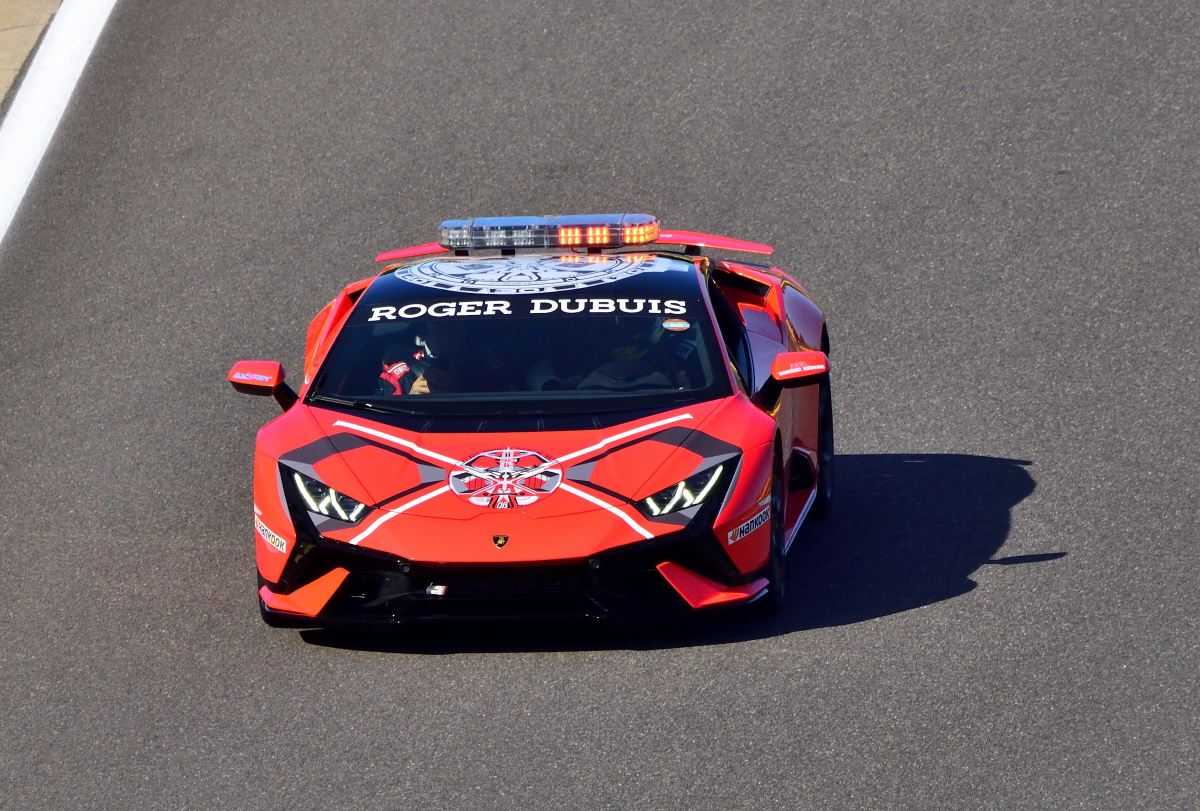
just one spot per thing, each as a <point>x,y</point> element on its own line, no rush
<point>262,378</point>
<point>799,368</point>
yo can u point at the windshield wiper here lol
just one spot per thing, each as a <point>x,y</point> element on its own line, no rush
<point>360,404</point>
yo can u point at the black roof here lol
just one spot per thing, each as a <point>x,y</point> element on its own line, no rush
<point>552,276</point>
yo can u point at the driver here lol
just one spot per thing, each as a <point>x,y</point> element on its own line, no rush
<point>429,364</point>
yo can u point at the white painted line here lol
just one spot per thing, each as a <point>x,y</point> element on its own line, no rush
<point>638,528</point>
<point>404,443</point>
<point>623,435</point>
<point>35,112</point>
<point>390,514</point>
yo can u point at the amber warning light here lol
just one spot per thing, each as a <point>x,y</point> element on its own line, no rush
<point>576,231</point>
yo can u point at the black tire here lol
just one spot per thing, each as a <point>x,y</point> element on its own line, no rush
<point>772,601</point>
<point>823,503</point>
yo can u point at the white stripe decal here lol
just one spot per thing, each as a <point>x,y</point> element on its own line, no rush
<point>403,442</point>
<point>456,463</point>
<point>624,434</point>
<point>390,514</point>
<point>435,455</point>
<point>42,98</point>
<point>587,497</point>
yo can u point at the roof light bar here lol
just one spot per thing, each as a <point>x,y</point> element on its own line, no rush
<point>592,231</point>
<point>578,231</point>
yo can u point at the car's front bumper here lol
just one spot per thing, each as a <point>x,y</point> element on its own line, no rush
<point>330,584</point>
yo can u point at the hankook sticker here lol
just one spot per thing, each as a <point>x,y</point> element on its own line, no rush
<point>745,529</point>
<point>270,537</point>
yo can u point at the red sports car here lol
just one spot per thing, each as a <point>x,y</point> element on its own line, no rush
<point>563,416</point>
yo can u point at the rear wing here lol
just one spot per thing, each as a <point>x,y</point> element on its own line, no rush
<point>415,250</point>
<point>695,239</point>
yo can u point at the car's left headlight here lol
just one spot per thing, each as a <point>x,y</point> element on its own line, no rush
<point>321,498</point>
<point>691,492</point>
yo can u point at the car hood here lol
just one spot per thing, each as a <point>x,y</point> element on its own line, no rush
<point>505,497</point>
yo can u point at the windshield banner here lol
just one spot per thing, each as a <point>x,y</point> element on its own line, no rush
<point>531,307</point>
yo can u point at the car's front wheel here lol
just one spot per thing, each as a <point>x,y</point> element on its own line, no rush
<point>772,601</point>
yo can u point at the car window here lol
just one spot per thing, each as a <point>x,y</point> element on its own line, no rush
<point>733,333</point>
<point>539,363</point>
<point>800,312</point>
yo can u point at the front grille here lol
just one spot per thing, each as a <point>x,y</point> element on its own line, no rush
<point>619,582</point>
<point>508,580</point>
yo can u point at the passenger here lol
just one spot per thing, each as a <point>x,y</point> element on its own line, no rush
<point>637,357</point>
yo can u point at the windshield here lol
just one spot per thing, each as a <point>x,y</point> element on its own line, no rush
<point>530,360</point>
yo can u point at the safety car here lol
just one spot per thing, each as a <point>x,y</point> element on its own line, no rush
<point>579,416</point>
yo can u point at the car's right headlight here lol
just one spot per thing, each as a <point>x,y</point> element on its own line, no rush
<point>690,492</point>
<point>320,498</point>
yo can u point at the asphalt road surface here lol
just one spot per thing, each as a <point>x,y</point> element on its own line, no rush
<point>996,203</point>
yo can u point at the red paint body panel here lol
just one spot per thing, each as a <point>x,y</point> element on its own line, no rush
<point>339,310</point>
<point>298,427</point>
<point>666,465</point>
<point>415,250</point>
<point>294,428</point>
<point>270,510</point>
<point>469,540</point>
<point>307,601</point>
<point>678,466</point>
<point>770,303</point>
<point>699,240</point>
<point>760,320</point>
<point>380,473</point>
<point>750,495</point>
<point>700,592</point>
<point>806,319</point>
<point>740,422</point>
<point>444,527</point>
<point>767,276</point>
<point>322,329</point>
<point>316,328</point>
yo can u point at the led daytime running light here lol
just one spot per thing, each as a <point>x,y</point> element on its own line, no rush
<point>324,500</point>
<point>690,492</point>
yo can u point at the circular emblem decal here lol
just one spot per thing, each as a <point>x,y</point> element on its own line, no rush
<point>529,274</point>
<point>505,479</point>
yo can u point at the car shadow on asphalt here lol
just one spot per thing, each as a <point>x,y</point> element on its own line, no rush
<point>906,530</point>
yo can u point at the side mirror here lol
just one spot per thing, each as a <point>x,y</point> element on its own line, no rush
<point>799,368</point>
<point>262,377</point>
